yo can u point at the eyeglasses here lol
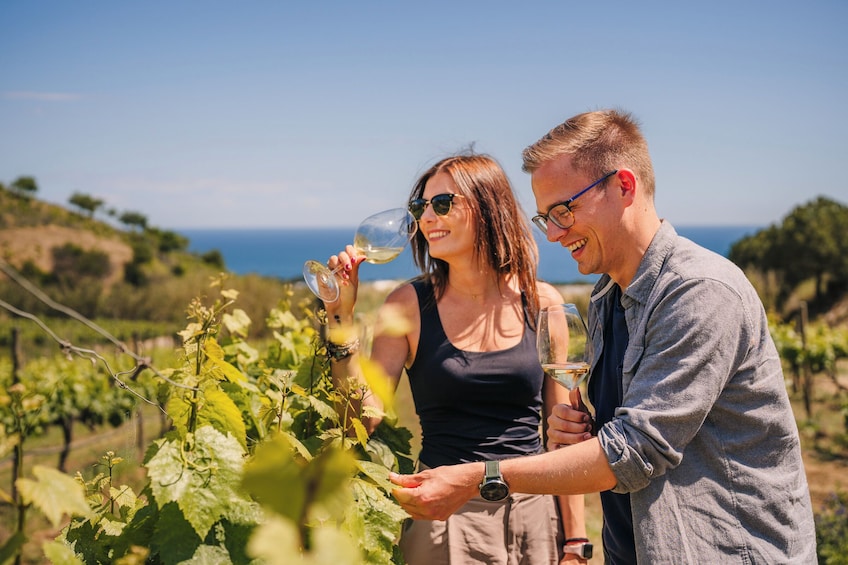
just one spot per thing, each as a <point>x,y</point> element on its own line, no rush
<point>441,205</point>
<point>561,214</point>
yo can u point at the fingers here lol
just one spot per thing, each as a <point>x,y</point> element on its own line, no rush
<point>407,495</point>
<point>348,260</point>
<point>345,268</point>
<point>407,481</point>
<point>567,426</point>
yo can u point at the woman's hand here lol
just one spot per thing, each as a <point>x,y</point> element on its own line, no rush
<point>348,279</point>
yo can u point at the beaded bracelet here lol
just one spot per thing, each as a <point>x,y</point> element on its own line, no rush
<point>339,351</point>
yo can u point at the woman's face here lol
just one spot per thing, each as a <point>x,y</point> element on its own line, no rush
<point>452,235</point>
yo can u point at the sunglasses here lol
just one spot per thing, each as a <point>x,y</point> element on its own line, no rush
<point>441,204</point>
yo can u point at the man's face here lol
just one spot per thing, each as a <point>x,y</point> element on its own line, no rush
<point>557,181</point>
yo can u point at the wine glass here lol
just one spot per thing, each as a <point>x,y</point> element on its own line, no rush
<point>380,238</point>
<point>563,344</point>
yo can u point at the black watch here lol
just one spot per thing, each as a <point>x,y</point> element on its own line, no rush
<point>583,550</point>
<point>493,487</point>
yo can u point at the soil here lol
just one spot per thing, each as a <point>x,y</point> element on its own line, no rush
<point>22,244</point>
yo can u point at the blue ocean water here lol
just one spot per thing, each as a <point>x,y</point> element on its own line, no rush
<point>281,252</point>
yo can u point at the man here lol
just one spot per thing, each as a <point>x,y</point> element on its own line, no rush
<point>694,445</point>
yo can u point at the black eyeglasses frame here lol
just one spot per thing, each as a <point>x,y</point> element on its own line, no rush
<point>541,220</point>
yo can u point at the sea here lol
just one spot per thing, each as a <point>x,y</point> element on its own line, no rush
<point>281,252</point>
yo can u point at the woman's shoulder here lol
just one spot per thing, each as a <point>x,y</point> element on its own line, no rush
<point>404,295</point>
<point>548,294</point>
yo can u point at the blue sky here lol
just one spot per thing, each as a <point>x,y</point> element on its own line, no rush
<point>316,114</point>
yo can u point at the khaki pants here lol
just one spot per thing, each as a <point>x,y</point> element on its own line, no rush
<point>523,529</point>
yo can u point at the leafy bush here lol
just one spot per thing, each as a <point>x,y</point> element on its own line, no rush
<point>832,530</point>
<point>257,467</point>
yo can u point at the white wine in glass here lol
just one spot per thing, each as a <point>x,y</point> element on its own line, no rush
<point>380,238</point>
<point>562,341</point>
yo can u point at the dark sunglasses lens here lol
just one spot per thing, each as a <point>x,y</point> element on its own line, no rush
<point>416,208</point>
<point>442,203</point>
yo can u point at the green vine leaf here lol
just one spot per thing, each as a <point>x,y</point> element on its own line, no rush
<point>59,554</point>
<point>54,493</point>
<point>237,323</point>
<point>359,429</point>
<point>202,481</point>
<point>276,542</point>
<point>215,353</point>
<point>219,410</point>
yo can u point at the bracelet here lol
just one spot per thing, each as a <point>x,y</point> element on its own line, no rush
<point>577,540</point>
<point>339,351</point>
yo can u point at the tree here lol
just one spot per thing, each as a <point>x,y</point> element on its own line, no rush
<point>86,203</point>
<point>815,242</point>
<point>810,243</point>
<point>24,186</point>
<point>133,219</point>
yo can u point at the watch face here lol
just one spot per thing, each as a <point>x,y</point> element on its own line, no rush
<point>494,490</point>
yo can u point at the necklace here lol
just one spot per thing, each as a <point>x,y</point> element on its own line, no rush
<point>472,295</point>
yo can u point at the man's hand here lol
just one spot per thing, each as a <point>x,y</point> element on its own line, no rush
<point>435,494</point>
<point>568,425</point>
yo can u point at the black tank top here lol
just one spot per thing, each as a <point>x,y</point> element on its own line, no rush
<point>472,405</point>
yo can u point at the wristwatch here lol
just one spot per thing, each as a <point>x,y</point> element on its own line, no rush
<point>582,549</point>
<point>493,487</point>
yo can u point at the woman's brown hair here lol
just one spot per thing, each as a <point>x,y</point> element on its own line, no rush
<point>504,236</point>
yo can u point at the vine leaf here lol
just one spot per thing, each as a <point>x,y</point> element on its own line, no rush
<point>215,353</point>
<point>238,322</point>
<point>54,493</point>
<point>221,412</point>
<point>319,485</point>
<point>204,483</point>
<point>378,382</point>
<point>275,542</point>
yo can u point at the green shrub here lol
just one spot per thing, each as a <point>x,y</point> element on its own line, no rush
<point>832,530</point>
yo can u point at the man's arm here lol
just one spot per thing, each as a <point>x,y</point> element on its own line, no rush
<point>435,494</point>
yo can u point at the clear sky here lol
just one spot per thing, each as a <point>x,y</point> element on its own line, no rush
<point>314,113</point>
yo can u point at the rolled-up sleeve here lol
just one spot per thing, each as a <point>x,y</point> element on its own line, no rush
<point>681,354</point>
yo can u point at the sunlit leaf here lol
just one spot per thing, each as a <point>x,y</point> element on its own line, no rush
<point>208,555</point>
<point>230,293</point>
<point>59,554</point>
<point>377,473</point>
<point>273,465</point>
<point>378,382</point>
<point>359,429</point>
<point>219,410</point>
<point>277,543</point>
<point>296,444</point>
<point>216,355</point>
<point>202,481</point>
<point>328,478</point>
<point>238,322</point>
<point>54,493</point>
<point>392,322</point>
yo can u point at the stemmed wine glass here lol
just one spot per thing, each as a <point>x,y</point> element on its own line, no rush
<point>563,344</point>
<point>380,238</point>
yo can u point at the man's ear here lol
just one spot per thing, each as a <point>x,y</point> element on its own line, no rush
<point>627,185</point>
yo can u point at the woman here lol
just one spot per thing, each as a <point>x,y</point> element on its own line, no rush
<point>468,348</point>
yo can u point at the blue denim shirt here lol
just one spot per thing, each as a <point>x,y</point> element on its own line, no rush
<point>705,440</point>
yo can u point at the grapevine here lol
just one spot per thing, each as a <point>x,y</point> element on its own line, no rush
<point>255,468</point>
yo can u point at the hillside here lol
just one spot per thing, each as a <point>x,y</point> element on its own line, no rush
<point>102,271</point>
<point>31,228</point>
